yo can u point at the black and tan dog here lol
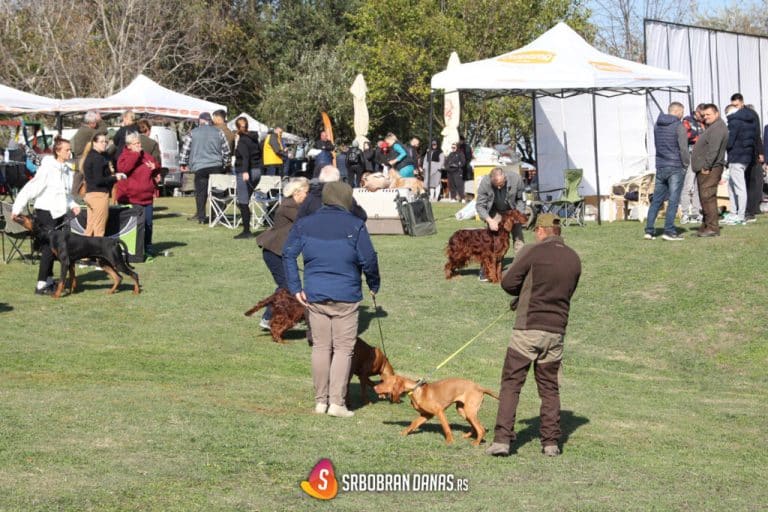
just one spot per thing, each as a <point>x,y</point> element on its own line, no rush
<point>110,253</point>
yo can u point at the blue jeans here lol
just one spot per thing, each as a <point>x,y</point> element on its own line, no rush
<point>669,184</point>
<point>275,265</point>
<point>149,210</point>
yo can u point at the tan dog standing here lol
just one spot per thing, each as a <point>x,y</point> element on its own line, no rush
<point>431,399</point>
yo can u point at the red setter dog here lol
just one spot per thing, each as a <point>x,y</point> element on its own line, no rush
<point>286,312</point>
<point>482,245</point>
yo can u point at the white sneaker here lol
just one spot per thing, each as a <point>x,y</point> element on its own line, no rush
<point>649,236</point>
<point>339,411</point>
<point>264,324</point>
<point>684,219</point>
<point>320,408</point>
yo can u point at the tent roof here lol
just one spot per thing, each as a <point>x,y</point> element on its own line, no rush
<point>145,95</point>
<point>14,101</point>
<point>558,60</point>
<point>255,125</point>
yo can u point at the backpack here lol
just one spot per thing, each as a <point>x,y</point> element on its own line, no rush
<point>354,157</point>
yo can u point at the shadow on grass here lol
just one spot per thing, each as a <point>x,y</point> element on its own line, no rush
<point>433,427</point>
<point>4,308</point>
<point>87,281</point>
<point>569,422</point>
<point>367,315</point>
<point>159,247</point>
<point>169,215</point>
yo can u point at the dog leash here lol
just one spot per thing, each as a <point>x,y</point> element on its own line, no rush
<point>378,321</point>
<point>424,379</point>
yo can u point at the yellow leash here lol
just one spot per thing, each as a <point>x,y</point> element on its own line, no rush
<point>422,381</point>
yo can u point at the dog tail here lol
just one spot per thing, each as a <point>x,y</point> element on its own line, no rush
<point>269,300</point>
<point>124,254</point>
<point>490,393</point>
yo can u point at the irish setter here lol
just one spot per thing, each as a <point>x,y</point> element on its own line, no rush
<point>286,312</point>
<point>432,398</point>
<point>482,245</point>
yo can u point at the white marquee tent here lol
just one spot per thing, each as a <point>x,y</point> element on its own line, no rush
<point>147,96</point>
<point>14,101</point>
<point>574,86</point>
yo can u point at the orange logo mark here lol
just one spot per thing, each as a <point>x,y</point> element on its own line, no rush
<point>322,483</point>
<point>607,66</point>
<point>528,57</point>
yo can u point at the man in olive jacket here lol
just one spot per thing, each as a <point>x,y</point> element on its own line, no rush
<point>707,161</point>
<point>498,192</point>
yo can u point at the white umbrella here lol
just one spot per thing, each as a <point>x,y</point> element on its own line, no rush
<point>451,110</point>
<point>358,91</point>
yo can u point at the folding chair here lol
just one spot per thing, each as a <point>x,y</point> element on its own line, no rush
<point>16,234</point>
<point>265,200</point>
<point>570,206</point>
<point>222,193</point>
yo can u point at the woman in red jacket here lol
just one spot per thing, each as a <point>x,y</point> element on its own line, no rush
<point>139,189</point>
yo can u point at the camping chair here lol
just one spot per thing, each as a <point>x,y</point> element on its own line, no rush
<point>570,206</point>
<point>16,234</point>
<point>222,193</point>
<point>265,200</point>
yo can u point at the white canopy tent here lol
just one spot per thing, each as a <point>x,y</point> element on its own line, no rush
<point>147,96</point>
<point>554,69</point>
<point>14,101</point>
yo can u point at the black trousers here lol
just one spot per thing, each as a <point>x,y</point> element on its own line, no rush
<point>754,181</point>
<point>201,189</point>
<point>46,223</point>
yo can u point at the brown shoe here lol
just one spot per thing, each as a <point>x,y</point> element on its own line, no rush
<point>707,233</point>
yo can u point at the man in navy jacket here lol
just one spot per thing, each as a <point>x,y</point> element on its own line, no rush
<point>336,248</point>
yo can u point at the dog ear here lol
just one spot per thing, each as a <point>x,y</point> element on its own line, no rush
<point>397,389</point>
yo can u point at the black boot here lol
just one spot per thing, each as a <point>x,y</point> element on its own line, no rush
<point>245,214</point>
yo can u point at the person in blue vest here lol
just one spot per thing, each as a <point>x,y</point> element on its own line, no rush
<point>399,158</point>
<point>672,159</point>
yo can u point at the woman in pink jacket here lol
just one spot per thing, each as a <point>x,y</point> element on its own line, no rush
<point>139,189</point>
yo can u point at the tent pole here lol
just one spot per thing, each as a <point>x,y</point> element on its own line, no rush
<point>429,142</point>
<point>535,141</point>
<point>597,166</point>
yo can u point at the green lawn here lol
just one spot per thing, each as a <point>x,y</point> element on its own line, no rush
<point>173,400</point>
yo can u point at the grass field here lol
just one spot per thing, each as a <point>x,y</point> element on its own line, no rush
<point>173,400</point>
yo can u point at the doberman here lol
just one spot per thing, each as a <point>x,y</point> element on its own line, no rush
<point>110,253</point>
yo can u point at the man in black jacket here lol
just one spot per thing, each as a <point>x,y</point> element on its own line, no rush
<point>754,173</point>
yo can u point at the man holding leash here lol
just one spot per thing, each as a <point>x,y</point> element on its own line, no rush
<point>543,278</point>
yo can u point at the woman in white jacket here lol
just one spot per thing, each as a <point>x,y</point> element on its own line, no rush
<point>51,190</point>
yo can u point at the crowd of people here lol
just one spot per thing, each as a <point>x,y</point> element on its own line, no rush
<point>692,154</point>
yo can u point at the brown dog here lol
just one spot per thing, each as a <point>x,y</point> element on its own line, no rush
<point>367,361</point>
<point>482,245</point>
<point>397,181</point>
<point>431,399</point>
<point>286,312</point>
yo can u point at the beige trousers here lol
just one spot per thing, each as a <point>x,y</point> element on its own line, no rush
<point>334,331</point>
<point>98,212</point>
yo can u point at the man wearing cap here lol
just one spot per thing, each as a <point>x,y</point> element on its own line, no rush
<point>205,151</point>
<point>336,248</point>
<point>542,278</point>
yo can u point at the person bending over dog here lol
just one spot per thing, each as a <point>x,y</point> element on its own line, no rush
<point>336,247</point>
<point>51,190</point>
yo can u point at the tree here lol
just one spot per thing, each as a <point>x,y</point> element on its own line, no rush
<point>67,48</point>
<point>620,22</point>
<point>320,82</point>
<point>736,17</point>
